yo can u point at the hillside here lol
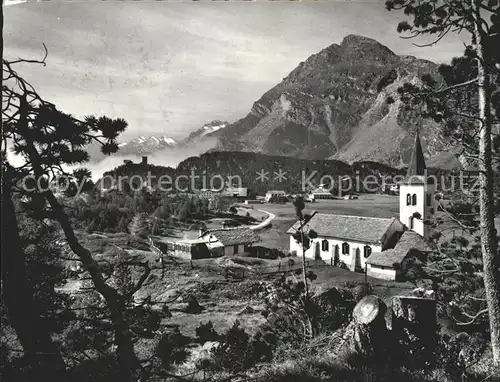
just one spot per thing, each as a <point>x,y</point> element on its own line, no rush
<point>247,166</point>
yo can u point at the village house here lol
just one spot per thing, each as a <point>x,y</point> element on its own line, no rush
<point>236,192</point>
<point>320,193</point>
<point>208,194</point>
<point>379,247</point>
<point>274,194</point>
<point>229,241</point>
<point>188,249</point>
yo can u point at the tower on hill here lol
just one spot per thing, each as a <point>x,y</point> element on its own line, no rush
<point>416,193</point>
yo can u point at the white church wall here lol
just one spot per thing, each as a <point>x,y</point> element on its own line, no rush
<point>406,211</point>
<point>380,272</point>
<point>329,254</point>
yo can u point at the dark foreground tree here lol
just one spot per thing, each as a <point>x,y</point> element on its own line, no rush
<point>48,140</point>
<point>41,355</point>
<point>480,19</point>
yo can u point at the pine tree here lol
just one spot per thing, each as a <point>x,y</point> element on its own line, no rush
<point>305,240</point>
<point>139,227</point>
<point>474,85</point>
<point>49,140</point>
<point>122,225</point>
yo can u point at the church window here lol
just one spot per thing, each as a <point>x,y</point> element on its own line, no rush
<point>367,251</point>
<point>408,200</point>
<point>429,200</point>
<point>414,200</point>
<point>345,248</point>
<point>325,245</point>
<point>410,222</point>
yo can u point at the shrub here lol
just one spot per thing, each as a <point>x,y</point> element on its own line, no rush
<point>206,332</point>
<point>238,351</point>
<point>171,349</point>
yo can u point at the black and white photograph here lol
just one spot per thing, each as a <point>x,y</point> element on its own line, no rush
<point>250,191</point>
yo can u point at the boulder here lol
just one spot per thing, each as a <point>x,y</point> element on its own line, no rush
<point>414,324</point>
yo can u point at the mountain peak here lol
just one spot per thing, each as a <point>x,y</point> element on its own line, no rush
<point>335,100</point>
<point>363,48</point>
<point>353,39</point>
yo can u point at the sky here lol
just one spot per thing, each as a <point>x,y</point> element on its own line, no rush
<point>170,67</point>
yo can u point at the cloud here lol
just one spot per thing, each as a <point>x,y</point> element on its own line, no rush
<point>170,67</point>
<point>169,157</point>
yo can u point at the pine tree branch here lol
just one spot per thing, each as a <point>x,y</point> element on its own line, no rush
<point>456,86</point>
<point>473,318</point>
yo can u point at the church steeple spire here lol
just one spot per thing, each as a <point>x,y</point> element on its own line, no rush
<point>416,193</point>
<point>417,161</point>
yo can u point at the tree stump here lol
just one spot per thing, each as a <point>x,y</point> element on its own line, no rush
<point>370,331</point>
<point>414,325</point>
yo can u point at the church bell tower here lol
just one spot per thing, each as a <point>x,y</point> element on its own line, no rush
<point>416,193</point>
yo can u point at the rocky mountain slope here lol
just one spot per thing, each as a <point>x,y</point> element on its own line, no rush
<point>334,105</point>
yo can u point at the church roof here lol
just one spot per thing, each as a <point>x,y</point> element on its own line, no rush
<point>386,258</point>
<point>409,242</point>
<point>344,227</point>
<point>417,169</point>
<point>417,161</point>
<point>412,240</point>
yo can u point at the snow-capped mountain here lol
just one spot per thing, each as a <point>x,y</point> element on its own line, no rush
<point>146,145</point>
<point>204,137</point>
<point>206,131</point>
<point>138,146</point>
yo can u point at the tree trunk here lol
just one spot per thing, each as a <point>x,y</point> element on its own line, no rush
<point>40,351</point>
<point>128,362</point>
<point>370,331</point>
<point>486,196</point>
<point>304,267</point>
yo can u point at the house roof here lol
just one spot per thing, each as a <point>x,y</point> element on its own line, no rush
<point>320,191</point>
<point>354,228</point>
<point>233,236</point>
<point>410,240</point>
<point>387,258</point>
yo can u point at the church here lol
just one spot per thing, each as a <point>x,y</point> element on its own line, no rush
<point>378,246</point>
